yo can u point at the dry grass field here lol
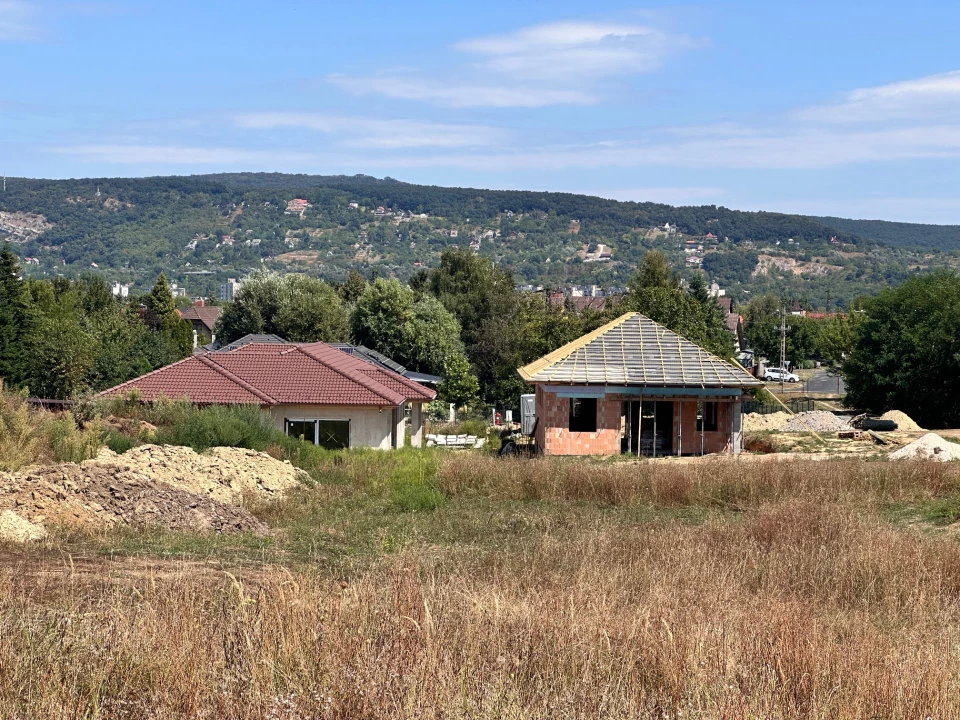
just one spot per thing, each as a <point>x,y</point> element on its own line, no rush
<point>460,586</point>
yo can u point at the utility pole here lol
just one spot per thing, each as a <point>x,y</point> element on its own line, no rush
<point>783,345</point>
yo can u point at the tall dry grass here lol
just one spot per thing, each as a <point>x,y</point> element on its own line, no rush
<point>721,483</point>
<point>796,609</point>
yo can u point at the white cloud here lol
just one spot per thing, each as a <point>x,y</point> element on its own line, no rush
<point>559,63</point>
<point>17,21</point>
<point>377,133</point>
<point>570,51</point>
<point>462,95</point>
<point>137,154</point>
<point>934,97</point>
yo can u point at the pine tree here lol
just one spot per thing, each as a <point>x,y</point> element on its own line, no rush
<point>160,301</point>
<point>15,317</point>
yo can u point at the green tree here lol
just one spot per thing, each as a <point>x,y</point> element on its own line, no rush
<point>16,320</point>
<point>655,293</point>
<point>295,307</point>
<point>419,333</point>
<point>906,351</point>
<point>352,288</point>
<point>654,272</point>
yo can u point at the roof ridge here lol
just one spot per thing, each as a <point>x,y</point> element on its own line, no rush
<point>233,377</point>
<point>369,383</point>
<point>528,371</point>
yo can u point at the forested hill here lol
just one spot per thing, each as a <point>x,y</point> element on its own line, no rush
<point>202,229</point>
<point>910,236</point>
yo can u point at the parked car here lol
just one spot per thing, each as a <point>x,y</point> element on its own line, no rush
<point>779,375</point>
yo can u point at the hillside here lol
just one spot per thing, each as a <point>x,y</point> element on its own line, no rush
<point>200,230</point>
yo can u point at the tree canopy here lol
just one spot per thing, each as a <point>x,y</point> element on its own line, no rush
<point>906,351</point>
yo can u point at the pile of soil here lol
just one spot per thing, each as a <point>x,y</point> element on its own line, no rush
<point>904,422</point>
<point>929,447</point>
<point>222,474</point>
<point>91,496</point>
<point>160,486</point>
<point>819,421</point>
<point>755,422</point>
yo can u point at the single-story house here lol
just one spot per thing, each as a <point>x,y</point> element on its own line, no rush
<point>311,390</point>
<point>634,387</point>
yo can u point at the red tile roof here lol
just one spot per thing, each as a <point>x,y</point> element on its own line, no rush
<point>270,374</point>
<point>207,315</point>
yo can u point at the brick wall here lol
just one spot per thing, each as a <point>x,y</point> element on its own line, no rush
<point>554,437</point>
<point>553,420</point>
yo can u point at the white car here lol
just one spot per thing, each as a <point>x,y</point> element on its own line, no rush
<point>779,375</point>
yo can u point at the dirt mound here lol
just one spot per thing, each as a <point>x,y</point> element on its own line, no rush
<point>222,474</point>
<point>755,422</point>
<point>14,528</point>
<point>904,422</point>
<point>929,447</point>
<point>819,421</point>
<point>92,496</point>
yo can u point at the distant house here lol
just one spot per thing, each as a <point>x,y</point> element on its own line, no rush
<point>203,319</point>
<point>297,205</point>
<point>313,391</point>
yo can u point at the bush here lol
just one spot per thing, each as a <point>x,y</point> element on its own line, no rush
<point>67,443</point>
<point>238,426</point>
<point>118,442</point>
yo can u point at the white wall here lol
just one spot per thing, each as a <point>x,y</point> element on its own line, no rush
<point>369,427</point>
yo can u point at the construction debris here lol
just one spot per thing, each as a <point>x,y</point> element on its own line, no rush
<point>929,447</point>
<point>904,422</point>
<point>818,421</point>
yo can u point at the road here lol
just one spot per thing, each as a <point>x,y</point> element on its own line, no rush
<point>823,381</point>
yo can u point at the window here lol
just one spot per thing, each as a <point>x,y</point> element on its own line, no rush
<point>331,434</point>
<point>303,429</point>
<point>583,414</point>
<point>707,414</point>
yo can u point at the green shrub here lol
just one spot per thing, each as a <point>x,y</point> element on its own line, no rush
<point>70,444</point>
<point>118,442</point>
<point>238,426</point>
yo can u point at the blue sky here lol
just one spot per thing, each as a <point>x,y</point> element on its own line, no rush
<point>848,108</point>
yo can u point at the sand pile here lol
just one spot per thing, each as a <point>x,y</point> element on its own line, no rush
<point>222,474</point>
<point>929,447</point>
<point>14,528</point>
<point>819,421</point>
<point>92,496</point>
<point>755,422</point>
<point>904,422</point>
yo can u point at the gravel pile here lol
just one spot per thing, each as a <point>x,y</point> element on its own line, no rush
<point>929,447</point>
<point>904,422</point>
<point>819,421</point>
<point>755,422</point>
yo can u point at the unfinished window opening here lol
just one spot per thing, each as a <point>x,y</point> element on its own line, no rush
<point>707,415</point>
<point>583,415</point>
